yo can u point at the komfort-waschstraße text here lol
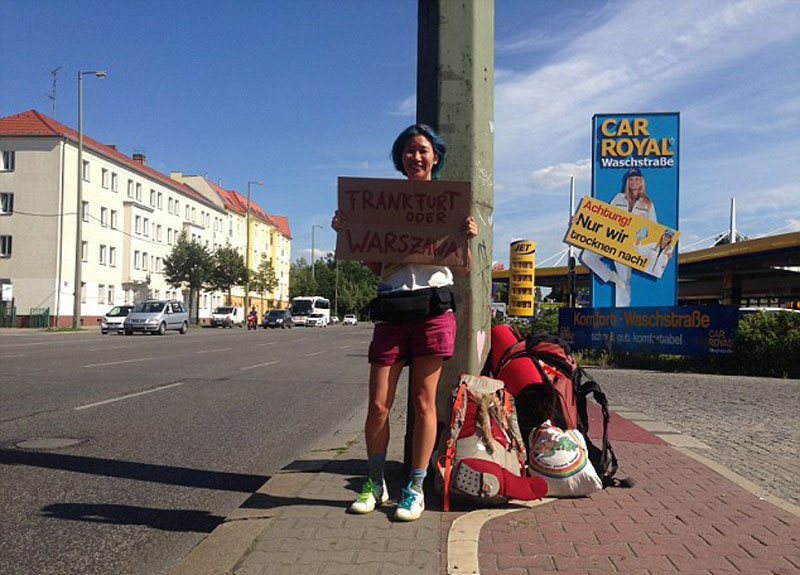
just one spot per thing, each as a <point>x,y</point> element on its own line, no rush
<point>632,318</point>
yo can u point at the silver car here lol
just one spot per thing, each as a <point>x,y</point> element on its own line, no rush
<point>157,316</point>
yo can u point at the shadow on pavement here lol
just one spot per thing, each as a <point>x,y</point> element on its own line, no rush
<point>163,519</point>
<point>170,475</point>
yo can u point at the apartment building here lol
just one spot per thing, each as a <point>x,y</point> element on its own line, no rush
<point>131,217</point>
<point>270,239</point>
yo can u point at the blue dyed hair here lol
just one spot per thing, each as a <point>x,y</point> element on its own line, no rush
<point>435,139</point>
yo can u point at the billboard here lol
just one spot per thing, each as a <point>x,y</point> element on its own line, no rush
<point>679,330</point>
<point>635,168</point>
<point>622,236</point>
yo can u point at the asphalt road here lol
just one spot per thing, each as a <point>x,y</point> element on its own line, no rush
<point>171,434</point>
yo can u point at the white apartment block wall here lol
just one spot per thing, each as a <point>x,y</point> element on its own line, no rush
<point>137,227</point>
<point>34,224</point>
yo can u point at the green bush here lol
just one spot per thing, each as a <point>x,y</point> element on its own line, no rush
<point>544,320</point>
<point>768,344</point>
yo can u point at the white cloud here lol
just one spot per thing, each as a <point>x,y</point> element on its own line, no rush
<point>407,107</point>
<point>559,175</point>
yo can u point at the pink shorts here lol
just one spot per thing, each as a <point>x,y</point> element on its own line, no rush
<point>400,342</point>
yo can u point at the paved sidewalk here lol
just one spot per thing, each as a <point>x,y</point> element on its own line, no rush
<point>682,516</point>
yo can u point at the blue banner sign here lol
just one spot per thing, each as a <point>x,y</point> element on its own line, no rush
<point>676,330</point>
<point>635,167</point>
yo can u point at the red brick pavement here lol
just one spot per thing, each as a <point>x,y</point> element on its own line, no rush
<point>680,517</point>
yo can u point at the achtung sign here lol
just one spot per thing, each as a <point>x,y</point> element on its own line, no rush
<point>622,236</point>
<point>403,221</point>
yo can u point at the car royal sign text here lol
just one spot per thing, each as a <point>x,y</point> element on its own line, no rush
<point>403,221</point>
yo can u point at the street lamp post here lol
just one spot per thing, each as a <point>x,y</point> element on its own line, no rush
<point>315,226</point>
<point>76,306</point>
<point>247,253</point>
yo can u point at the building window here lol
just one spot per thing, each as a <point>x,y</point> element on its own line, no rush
<point>156,294</point>
<point>169,236</point>
<point>137,224</point>
<point>158,233</point>
<point>5,246</point>
<point>110,295</point>
<point>177,208</point>
<point>85,170</point>
<point>7,161</point>
<point>85,212</point>
<point>144,260</point>
<point>188,213</point>
<point>130,189</point>
<point>170,203</point>
<point>104,178</point>
<point>138,192</point>
<point>146,228</point>
<point>160,201</point>
<point>101,293</point>
<point>112,257</point>
<point>137,260</point>
<point>113,221</point>
<point>83,292</point>
<point>114,182</point>
<point>194,214</point>
<point>84,251</point>
<point>102,255</point>
<point>6,203</point>
<point>159,265</point>
<point>104,217</point>
<point>152,198</point>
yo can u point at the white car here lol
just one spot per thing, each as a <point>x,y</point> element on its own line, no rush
<point>316,320</point>
<point>349,319</point>
<point>113,320</point>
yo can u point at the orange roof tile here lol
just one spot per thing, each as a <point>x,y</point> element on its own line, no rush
<point>282,222</point>
<point>33,123</point>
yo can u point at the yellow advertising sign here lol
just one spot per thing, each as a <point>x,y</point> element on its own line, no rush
<point>521,283</point>
<point>622,236</point>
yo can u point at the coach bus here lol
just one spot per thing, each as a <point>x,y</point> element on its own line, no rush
<point>304,306</point>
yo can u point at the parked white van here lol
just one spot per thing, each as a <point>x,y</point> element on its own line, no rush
<point>227,316</point>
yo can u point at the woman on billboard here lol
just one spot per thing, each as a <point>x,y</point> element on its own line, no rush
<point>635,200</point>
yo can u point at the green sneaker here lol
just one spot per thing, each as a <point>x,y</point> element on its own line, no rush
<point>370,496</point>
<point>410,506</point>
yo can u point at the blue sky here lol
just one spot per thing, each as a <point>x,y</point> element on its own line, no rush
<point>298,93</point>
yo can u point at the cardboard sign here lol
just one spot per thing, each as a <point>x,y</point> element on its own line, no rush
<point>403,221</point>
<point>622,236</point>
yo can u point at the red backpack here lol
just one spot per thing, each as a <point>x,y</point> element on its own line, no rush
<point>481,460</point>
<point>546,359</point>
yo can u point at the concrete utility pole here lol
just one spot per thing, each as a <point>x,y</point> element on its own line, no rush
<point>455,95</point>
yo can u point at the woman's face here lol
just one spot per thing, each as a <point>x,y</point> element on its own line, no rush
<point>635,185</point>
<point>665,240</point>
<point>419,158</point>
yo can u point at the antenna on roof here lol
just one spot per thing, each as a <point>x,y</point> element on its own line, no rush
<point>52,95</point>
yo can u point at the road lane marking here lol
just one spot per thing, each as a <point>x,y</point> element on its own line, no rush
<point>302,339</point>
<point>344,346</point>
<point>155,389</point>
<point>213,350</point>
<point>105,348</point>
<point>117,362</point>
<point>13,355</point>
<point>315,353</point>
<point>258,365</point>
<point>263,344</point>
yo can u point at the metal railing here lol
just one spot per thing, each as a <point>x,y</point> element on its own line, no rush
<point>40,317</point>
<point>8,315</point>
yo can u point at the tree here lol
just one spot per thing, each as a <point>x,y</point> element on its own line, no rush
<point>229,270</point>
<point>264,279</point>
<point>357,285</point>
<point>189,264</point>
